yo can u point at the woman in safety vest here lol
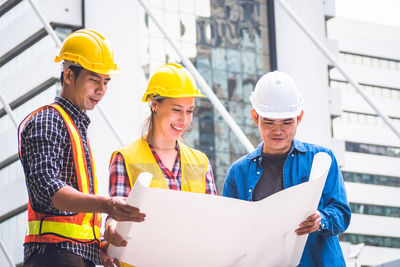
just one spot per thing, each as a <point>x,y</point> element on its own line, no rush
<point>171,92</point>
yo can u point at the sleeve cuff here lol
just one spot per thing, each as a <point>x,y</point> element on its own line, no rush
<point>324,224</point>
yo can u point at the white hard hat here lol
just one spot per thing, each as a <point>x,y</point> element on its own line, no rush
<point>276,96</point>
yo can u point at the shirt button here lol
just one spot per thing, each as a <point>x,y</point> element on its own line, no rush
<point>258,172</point>
<point>254,160</point>
<point>323,225</point>
<point>249,190</point>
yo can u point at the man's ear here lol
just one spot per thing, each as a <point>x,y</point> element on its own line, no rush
<point>300,117</point>
<point>254,115</point>
<point>68,76</point>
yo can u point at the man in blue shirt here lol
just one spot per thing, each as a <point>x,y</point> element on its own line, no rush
<point>277,111</point>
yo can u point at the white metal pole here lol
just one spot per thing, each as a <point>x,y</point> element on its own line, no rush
<point>46,25</point>
<point>57,41</point>
<point>8,257</point>
<point>8,109</point>
<point>203,85</point>
<point>328,54</point>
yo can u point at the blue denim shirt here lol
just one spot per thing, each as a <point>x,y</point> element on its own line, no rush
<point>322,247</point>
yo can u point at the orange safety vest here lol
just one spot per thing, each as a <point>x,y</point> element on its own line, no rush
<point>80,227</point>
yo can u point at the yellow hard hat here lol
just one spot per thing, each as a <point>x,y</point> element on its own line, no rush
<point>171,80</point>
<point>89,49</point>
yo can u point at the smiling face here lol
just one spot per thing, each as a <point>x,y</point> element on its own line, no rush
<point>86,90</point>
<point>277,134</point>
<point>171,117</point>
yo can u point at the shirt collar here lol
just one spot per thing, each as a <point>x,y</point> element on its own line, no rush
<point>256,153</point>
<point>73,111</point>
<point>296,145</point>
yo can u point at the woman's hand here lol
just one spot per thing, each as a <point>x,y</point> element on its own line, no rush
<point>111,235</point>
<point>107,260</point>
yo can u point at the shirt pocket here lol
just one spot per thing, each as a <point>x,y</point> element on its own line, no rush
<point>303,178</point>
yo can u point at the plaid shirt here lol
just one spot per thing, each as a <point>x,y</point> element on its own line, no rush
<point>119,180</point>
<point>49,165</point>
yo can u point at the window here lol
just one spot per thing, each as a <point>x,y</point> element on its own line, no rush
<point>369,61</point>
<point>366,119</point>
<point>380,241</point>
<point>373,149</point>
<point>371,179</point>
<point>375,210</point>
<point>372,90</point>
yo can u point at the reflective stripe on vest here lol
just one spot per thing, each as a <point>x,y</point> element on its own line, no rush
<point>81,227</point>
<point>139,158</point>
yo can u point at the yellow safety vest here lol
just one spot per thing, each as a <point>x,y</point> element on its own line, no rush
<point>78,228</point>
<point>139,158</point>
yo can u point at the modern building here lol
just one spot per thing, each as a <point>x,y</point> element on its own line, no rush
<point>231,43</point>
<point>369,52</point>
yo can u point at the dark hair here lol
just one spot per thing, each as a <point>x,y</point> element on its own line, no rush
<point>75,69</point>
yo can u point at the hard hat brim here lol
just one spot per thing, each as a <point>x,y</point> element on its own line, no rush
<point>115,71</point>
<point>149,97</point>
<point>279,115</point>
<point>112,72</point>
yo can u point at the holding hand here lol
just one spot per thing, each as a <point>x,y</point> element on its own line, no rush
<point>111,235</point>
<point>310,224</point>
<point>120,210</point>
<point>107,260</point>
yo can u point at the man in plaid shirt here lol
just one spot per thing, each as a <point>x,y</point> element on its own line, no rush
<point>55,183</point>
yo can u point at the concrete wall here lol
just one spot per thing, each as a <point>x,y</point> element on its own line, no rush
<point>298,56</point>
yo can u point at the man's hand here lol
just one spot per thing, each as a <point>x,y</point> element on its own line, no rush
<point>311,224</point>
<point>69,199</point>
<point>111,235</point>
<point>107,260</point>
<point>119,210</point>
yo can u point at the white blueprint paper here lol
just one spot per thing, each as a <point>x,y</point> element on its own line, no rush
<point>188,229</point>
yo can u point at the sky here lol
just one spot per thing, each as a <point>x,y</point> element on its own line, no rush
<point>377,11</point>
